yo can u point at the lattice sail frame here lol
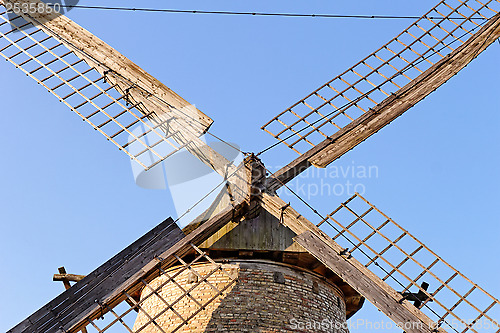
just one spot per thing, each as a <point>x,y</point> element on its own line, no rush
<point>66,68</point>
<point>123,316</point>
<point>453,301</point>
<point>85,88</point>
<point>348,96</point>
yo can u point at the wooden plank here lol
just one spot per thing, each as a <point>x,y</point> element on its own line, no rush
<point>392,107</point>
<point>65,281</point>
<point>116,278</point>
<point>326,248</point>
<point>95,285</point>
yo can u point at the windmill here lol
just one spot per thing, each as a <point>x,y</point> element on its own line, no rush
<point>171,280</point>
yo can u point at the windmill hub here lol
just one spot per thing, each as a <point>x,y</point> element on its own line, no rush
<point>277,284</point>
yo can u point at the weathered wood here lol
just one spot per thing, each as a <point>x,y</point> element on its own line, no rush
<point>244,185</point>
<point>165,109</point>
<point>66,283</point>
<point>392,107</point>
<point>262,233</point>
<point>326,250</point>
<point>67,277</point>
<point>148,270</point>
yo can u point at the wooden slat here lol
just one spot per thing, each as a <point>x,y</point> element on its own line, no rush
<point>392,107</point>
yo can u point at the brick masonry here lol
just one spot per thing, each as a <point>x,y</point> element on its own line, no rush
<point>267,297</point>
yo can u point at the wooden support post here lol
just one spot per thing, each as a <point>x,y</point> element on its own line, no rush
<point>65,278</point>
<point>62,271</point>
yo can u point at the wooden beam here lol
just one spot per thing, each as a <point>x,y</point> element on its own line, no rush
<point>326,250</point>
<point>392,107</point>
<point>67,277</point>
<point>164,107</point>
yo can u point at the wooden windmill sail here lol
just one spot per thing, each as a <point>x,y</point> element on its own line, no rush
<point>171,277</point>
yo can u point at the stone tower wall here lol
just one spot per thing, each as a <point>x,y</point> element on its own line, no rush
<point>268,297</point>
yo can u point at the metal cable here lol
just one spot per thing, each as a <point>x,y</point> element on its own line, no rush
<point>223,12</point>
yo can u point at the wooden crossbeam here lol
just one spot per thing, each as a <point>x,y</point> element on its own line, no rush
<point>66,278</point>
<point>392,107</point>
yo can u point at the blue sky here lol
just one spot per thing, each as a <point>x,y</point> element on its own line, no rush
<point>68,197</point>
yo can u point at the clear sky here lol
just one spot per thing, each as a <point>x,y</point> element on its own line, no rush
<point>68,197</point>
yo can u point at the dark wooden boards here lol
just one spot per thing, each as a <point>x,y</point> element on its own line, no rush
<point>149,271</point>
<point>123,272</point>
<point>392,107</point>
<point>101,282</point>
